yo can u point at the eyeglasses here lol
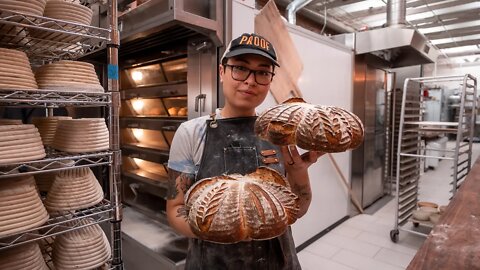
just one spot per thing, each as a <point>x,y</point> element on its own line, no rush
<point>240,73</point>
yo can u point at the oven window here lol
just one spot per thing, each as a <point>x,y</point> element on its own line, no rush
<point>156,74</point>
<point>146,75</point>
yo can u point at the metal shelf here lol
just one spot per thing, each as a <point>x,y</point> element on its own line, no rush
<point>425,223</point>
<point>53,162</point>
<point>72,40</point>
<point>149,154</point>
<point>59,223</point>
<point>47,98</point>
<point>413,125</point>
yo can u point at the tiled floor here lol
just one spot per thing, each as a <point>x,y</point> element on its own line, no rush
<point>363,242</point>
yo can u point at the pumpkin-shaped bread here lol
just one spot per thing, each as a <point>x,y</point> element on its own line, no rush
<point>312,127</point>
<point>234,208</point>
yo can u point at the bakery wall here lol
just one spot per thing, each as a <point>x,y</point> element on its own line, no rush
<point>326,79</point>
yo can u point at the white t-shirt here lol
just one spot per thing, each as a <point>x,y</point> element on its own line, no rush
<point>188,144</point>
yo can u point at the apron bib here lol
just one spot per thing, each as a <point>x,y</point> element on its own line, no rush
<point>232,147</point>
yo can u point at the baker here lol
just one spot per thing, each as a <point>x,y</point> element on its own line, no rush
<point>225,143</point>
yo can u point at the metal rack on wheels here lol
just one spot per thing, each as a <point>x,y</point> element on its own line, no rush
<point>410,149</point>
<point>79,41</point>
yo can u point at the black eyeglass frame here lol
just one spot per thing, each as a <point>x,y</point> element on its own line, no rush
<point>250,71</point>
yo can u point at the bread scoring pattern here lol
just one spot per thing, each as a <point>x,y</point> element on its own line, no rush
<point>311,127</point>
<point>234,208</point>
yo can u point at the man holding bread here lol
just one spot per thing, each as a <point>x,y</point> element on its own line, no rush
<point>225,143</point>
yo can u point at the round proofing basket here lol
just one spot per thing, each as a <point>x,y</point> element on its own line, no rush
<point>45,180</point>
<point>10,122</point>
<point>69,76</point>
<point>20,205</point>
<point>85,248</point>
<point>68,12</point>
<point>73,190</point>
<point>81,135</point>
<point>31,7</point>
<point>47,127</point>
<point>20,143</point>
<point>15,70</point>
<point>24,257</point>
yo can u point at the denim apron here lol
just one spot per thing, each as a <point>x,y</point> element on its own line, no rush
<point>232,147</point>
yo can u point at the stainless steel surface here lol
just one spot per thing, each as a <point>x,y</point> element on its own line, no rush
<point>114,128</point>
<point>148,123</point>
<point>166,90</point>
<point>293,7</point>
<point>368,160</point>
<point>173,44</point>
<point>205,17</point>
<point>407,173</point>
<point>452,26</point>
<point>400,47</point>
<point>396,13</point>
<point>319,16</point>
<point>44,97</point>
<point>151,244</point>
<point>389,120</point>
<point>396,45</point>
<point>53,162</point>
<point>201,79</point>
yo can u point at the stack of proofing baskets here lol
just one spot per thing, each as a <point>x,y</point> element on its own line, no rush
<point>67,191</point>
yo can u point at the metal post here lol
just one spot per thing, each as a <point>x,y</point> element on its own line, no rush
<point>114,175</point>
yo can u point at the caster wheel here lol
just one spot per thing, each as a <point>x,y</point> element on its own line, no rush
<point>416,224</point>
<point>394,235</point>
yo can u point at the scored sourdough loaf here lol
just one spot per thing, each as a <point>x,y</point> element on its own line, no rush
<point>311,127</point>
<point>234,208</point>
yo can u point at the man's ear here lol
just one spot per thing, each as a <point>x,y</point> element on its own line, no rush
<point>221,71</point>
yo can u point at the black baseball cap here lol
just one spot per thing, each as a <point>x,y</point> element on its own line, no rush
<point>251,44</point>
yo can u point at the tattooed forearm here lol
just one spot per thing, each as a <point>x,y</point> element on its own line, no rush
<point>182,212</point>
<point>304,194</point>
<point>302,191</point>
<point>177,182</point>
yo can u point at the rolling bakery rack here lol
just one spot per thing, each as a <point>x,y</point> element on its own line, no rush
<point>410,150</point>
<point>80,40</point>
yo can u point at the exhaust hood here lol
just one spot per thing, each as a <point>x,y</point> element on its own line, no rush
<point>395,44</point>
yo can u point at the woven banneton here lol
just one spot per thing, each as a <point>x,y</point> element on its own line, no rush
<point>83,249</point>
<point>311,127</point>
<point>24,257</point>
<point>4,122</point>
<point>47,127</point>
<point>68,11</point>
<point>45,180</point>
<point>20,205</point>
<point>20,143</point>
<point>69,76</point>
<point>31,7</point>
<point>81,135</point>
<point>15,70</point>
<point>73,189</point>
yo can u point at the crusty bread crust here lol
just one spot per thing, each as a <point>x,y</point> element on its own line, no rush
<point>234,208</point>
<point>311,127</point>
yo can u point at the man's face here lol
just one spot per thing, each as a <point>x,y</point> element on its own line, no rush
<point>248,94</point>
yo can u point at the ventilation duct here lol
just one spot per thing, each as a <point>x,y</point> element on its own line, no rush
<point>397,45</point>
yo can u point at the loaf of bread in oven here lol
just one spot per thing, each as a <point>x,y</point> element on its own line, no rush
<point>234,208</point>
<point>311,127</point>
